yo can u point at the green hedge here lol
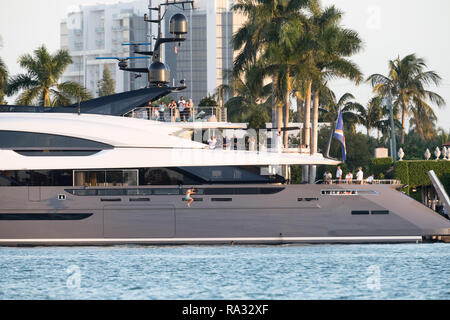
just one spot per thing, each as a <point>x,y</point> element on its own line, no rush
<point>414,173</point>
<point>379,166</point>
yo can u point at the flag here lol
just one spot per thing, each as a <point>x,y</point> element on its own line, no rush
<point>176,49</point>
<point>339,133</point>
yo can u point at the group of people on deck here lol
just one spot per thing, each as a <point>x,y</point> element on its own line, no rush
<point>181,110</point>
<point>228,144</point>
<point>328,178</point>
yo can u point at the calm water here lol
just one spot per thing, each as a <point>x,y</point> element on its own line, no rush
<point>402,271</point>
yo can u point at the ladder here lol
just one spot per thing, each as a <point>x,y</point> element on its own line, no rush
<point>443,196</point>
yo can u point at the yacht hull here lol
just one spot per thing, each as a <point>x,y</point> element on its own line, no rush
<point>296,214</point>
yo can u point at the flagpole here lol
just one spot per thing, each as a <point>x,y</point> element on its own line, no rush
<point>339,134</point>
<point>330,137</point>
<point>391,120</point>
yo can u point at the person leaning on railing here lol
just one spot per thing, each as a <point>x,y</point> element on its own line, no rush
<point>188,110</point>
<point>162,110</point>
<point>173,108</point>
<point>181,104</point>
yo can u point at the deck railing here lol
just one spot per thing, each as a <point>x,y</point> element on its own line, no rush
<point>194,114</point>
<point>354,181</point>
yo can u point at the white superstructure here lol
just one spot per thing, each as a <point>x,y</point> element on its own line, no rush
<point>134,143</point>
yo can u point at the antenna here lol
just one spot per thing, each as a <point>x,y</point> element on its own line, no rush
<point>79,93</point>
<point>158,72</point>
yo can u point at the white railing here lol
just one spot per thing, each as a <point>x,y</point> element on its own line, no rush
<point>194,114</point>
<point>354,181</point>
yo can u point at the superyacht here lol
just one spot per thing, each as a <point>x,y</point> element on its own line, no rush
<point>89,175</point>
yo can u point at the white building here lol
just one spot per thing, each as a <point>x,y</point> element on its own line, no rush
<point>99,31</point>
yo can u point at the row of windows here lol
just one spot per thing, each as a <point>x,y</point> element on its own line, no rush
<point>366,212</point>
<point>135,177</point>
<point>341,192</point>
<point>182,199</point>
<point>307,199</point>
<point>171,191</point>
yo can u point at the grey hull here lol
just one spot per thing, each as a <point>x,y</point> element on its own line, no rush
<point>297,214</point>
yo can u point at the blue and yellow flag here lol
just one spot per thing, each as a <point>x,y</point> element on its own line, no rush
<point>339,133</point>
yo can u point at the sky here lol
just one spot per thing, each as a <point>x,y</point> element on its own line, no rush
<point>389,28</point>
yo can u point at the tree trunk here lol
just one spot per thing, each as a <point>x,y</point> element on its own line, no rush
<point>314,136</point>
<point>299,118</point>
<point>46,98</point>
<point>287,108</point>
<point>280,116</point>
<point>403,122</point>
<point>315,124</point>
<point>299,109</point>
<point>307,117</point>
<point>274,109</point>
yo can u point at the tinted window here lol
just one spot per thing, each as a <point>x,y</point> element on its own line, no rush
<point>162,176</point>
<point>358,212</point>
<point>107,178</point>
<point>36,178</point>
<point>229,174</point>
<point>18,140</point>
<point>64,153</point>
<point>380,211</point>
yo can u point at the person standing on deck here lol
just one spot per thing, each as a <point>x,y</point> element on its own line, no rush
<point>188,110</point>
<point>226,143</point>
<point>359,176</point>
<point>235,142</point>
<point>173,108</point>
<point>339,174</point>
<point>162,111</point>
<point>212,143</point>
<point>181,104</point>
<point>251,143</point>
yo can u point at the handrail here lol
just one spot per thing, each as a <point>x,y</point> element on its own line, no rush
<point>192,114</point>
<point>354,181</point>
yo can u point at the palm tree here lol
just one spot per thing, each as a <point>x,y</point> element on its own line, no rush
<point>250,93</point>
<point>223,91</point>
<point>331,107</point>
<point>423,121</point>
<point>40,83</point>
<point>406,84</point>
<point>3,80</point>
<point>372,115</point>
<point>384,125</point>
<point>267,37</point>
<point>333,46</point>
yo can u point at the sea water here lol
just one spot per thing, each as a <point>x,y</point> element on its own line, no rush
<point>389,271</point>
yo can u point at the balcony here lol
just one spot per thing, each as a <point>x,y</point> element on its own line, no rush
<point>120,28</point>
